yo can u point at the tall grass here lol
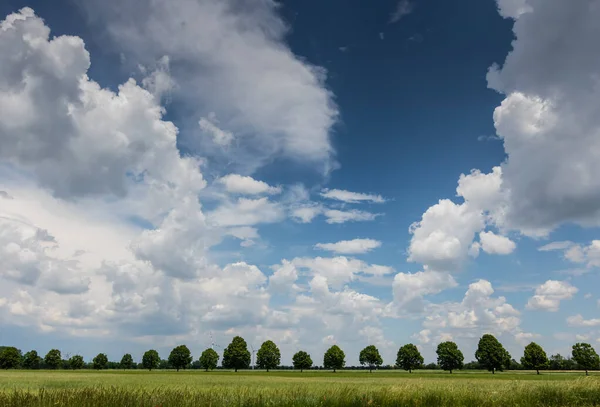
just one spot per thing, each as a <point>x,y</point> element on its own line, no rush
<point>412,393</point>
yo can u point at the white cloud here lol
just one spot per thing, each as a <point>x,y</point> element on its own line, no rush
<point>246,212</point>
<point>238,184</point>
<point>549,295</point>
<point>209,126</point>
<point>525,337</point>
<point>356,246</point>
<point>576,253</point>
<point>336,216</point>
<point>403,8</point>
<point>274,102</point>
<point>305,213</point>
<point>351,197</point>
<point>495,244</point>
<point>513,8</point>
<point>410,288</point>
<point>579,321</point>
<point>556,246</point>
<point>284,278</point>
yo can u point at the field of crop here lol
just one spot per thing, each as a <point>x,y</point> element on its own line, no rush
<point>285,388</point>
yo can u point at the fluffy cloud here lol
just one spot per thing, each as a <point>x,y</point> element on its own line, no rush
<point>495,244</point>
<point>579,321</point>
<point>246,212</point>
<point>403,8</point>
<point>549,295</point>
<point>336,216</point>
<point>576,253</point>
<point>305,213</point>
<point>238,184</point>
<point>288,112</point>
<point>356,246</point>
<point>351,197</point>
<point>409,289</point>
<point>209,126</point>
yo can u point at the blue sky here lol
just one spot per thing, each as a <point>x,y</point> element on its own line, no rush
<point>417,171</point>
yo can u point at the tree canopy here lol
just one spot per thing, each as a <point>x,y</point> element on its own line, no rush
<point>534,357</point>
<point>53,359</point>
<point>209,359</point>
<point>370,356</point>
<point>302,360</point>
<point>586,357</point>
<point>409,358</point>
<point>150,360</point>
<point>10,358</point>
<point>32,360</point>
<point>76,362</point>
<point>180,357</point>
<point>334,358</point>
<point>236,355</point>
<point>491,354</point>
<point>449,357</point>
<point>126,361</point>
<point>268,356</point>
<point>100,361</point>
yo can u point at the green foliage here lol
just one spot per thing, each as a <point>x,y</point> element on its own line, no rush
<point>76,362</point>
<point>302,360</point>
<point>126,361</point>
<point>10,358</point>
<point>558,362</point>
<point>334,358</point>
<point>449,357</point>
<point>268,356</point>
<point>236,355</point>
<point>180,357</point>
<point>370,356</point>
<point>32,360</point>
<point>586,357</point>
<point>53,359</point>
<point>209,359</point>
<point>491,354</point>
<point>534,357</point>
<point>150,360</point>
<point>100,361</point>
<point>409,358</point>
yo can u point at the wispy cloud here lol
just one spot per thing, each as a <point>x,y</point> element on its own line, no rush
<point>403,8</point>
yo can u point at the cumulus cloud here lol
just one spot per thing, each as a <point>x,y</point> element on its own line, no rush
<point>356,246</point>
<point>238,184</point>
<point>351,197</point>
<point>549,295</point>
<point>577,253</point>
<point>305,213</point>
<point>337,216</point>
<point>579,321</point>
<point>495,244</point>
<point>246,212</point>
<point>410,288</point>
<point>209,126</point>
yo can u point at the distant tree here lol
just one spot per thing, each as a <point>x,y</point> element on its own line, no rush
<point>10,358</point>
<point>302,360</point>
<point>209,359</point>
<point>472,365</point>
<point>32,360</point>
<point>100,361</point>
<point>268,356</point>
<point>76,362</point>
<point>180,357</point>
<point>449,357</point>
<point>164,364</point>
<point>236,355</point>
<point>514,365</point>
<point>370,356</point>
<point>334,358</point>
<point>53,359</point>
<point>431,366</point>
<point>150,360</point>
<point>409,358</point>
<point>491,354</point>
<point>586,357</point>
<point>534,357</point>
<point>126,361</point>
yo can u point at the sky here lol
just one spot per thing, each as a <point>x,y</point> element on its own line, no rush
<point>313,173</point>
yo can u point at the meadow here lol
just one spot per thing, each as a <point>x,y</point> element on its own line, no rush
<point>292,388</point>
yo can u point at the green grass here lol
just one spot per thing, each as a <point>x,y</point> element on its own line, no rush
<point>285,388</point>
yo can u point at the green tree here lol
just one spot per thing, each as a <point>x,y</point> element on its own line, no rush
<point>586,357</point>
<point>370,356</point>
<point>53,359</point>
<point>209,359</point>
<point>334,358</point>
<point>302,360</point>
<point>100,361</point>
<point>32,360</point>
<point>180,357</point>
<point>534,357</point>
<point>10,358</point>
<point>409,358</point>
<point>126,361</point>
<point>268,356</point>
<point>491,354</point>
<point>76,362</point>
<point>449,357</point>
<point>150,360</point>
<point>236,355</point>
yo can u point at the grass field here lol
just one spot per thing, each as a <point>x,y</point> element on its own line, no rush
<point>286,388</point>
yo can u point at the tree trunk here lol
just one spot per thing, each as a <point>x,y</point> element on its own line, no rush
<point>409,370</point>
<point>370,370</point>
<point>493,371</point>
<point>301,370</point>
<point>586,373</point>
<point>537,370</point>
<point>450,371</point>
<point>236,369</point>
<point>267,370</point>
<point>333,370</point>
